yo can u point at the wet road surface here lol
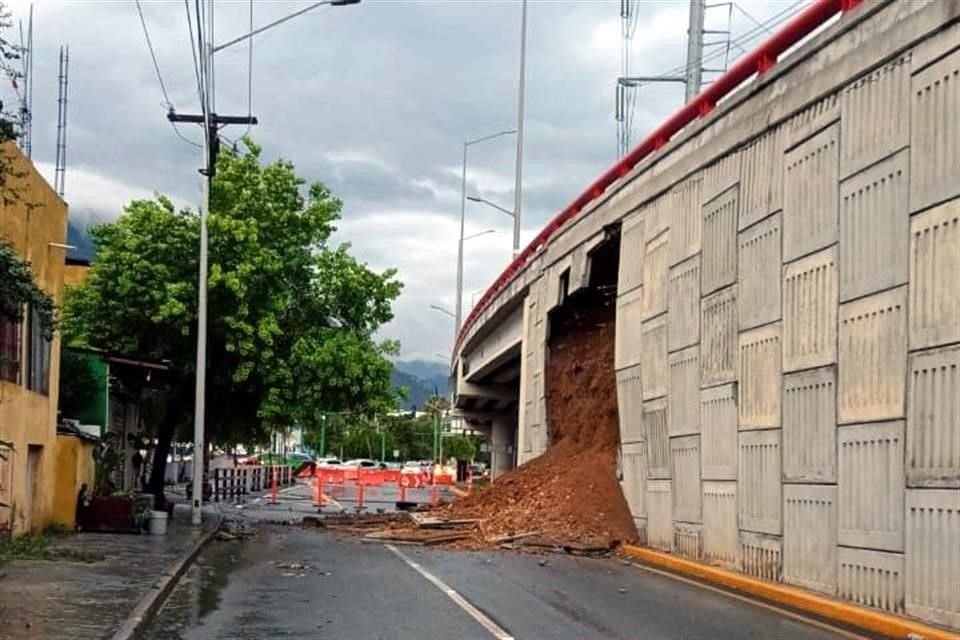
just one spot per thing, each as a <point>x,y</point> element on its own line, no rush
<point>288,582</point>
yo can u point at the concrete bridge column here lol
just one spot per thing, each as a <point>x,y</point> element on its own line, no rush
<point>503,450</point>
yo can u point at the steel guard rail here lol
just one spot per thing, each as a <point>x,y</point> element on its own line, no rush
<point>758,61</point>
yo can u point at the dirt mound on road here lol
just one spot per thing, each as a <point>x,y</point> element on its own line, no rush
<point>570,494</point>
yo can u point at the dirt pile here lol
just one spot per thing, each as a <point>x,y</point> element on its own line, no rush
<point>570,494</point>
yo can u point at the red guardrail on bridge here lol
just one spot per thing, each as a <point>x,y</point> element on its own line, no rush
<point>758,61</point>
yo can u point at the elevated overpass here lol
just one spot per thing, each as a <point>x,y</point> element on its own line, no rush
<point>785,254</point>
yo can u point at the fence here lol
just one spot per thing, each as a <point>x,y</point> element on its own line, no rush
<point>236,483</point>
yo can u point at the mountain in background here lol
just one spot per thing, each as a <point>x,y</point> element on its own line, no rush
<point>421,378</point>
<point>78,237</point>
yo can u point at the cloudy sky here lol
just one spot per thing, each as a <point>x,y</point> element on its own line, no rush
<point>375,100</point>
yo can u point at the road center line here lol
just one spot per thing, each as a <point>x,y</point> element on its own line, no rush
<point>495,630</point>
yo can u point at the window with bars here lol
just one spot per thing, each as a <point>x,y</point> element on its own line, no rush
<point>9,349</point>
<point>38,357</point>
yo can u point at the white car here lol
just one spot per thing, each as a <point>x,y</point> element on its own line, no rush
<point>366,463</point>
<point>329,462</point>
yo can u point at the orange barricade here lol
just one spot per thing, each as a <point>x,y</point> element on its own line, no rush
<point>391,475</point>
<point>350,473</point>
<point>331,476</point>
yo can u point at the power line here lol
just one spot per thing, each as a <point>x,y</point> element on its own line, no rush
<point>156,68</point>
<point>153,56</point>
<point>193,50</point>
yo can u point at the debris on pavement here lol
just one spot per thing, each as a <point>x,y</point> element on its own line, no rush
<point>571,491</point>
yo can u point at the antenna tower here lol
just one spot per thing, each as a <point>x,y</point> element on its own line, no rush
<point>59,178</point>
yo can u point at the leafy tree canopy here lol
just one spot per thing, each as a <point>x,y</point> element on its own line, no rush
<point>18,289</point>
<point>292,320</point>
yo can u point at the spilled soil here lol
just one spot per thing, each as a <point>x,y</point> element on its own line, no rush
<point>569,495</point>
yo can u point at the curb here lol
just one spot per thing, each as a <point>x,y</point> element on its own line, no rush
<point>821,606</point>
<point>154,598</point>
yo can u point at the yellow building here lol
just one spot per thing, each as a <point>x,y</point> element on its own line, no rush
<point>34,222</point>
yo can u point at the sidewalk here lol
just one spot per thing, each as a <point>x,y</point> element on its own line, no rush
<point>81,601</point>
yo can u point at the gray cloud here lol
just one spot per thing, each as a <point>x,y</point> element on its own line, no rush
<point>374,100</point>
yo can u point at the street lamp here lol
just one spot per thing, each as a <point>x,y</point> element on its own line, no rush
<point>437,307</point>
<point>209,120</point>
<point>492,204</point>
<point>247,36</point>
<point>463,212</point>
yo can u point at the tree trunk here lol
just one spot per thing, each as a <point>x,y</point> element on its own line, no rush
<point>165,432</point>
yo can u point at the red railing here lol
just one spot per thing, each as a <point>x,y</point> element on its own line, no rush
<point>758,61</point>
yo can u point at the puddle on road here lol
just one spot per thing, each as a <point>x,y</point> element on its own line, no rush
<point>198,592</point>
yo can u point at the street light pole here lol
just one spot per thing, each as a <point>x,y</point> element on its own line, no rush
<point>518,184</point>
<point>458,306</point>
<point>210,121</point>
<point>206,56</point>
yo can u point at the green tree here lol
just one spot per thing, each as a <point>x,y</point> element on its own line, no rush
<point>274,357</point>
<point>460,447</point>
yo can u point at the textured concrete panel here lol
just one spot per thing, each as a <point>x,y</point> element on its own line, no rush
<point>761,556</point>
<point>634,483</point>
<point>685,391</point>
<point>720,241</point>
<point>630,404</point>
<point>874,228</point>
<point>810,536</point>
<point>718,324</point>
<point>810,426</point>
<point>758,487</point>
<point>659,515</point>
<point>759,387</point>
<point>631,253</point>
<point>641,525</point>
<point>810,121</point>
<point>761,181</point>
<point>684,303</point>
<point>627,344</point>
<point>720,522</point>
<point>810,311</point>
<point>658,439</point>
<point>933,418</point>
<point>655,267</point>
<point>718,425</point>
<point>935,133</point>
<point>871,578</point>
<point>934,265</point>
<point>810,194</point>
<point>721,175</point>
<point>685,458</point>
<point>688,540</point>
<point>933,556</point>
<point>653,339</point>
<point>873,110</point>
<point>871,485</point>
<point>873,355</point>
<point>685,219</point>
<point>759,273</point>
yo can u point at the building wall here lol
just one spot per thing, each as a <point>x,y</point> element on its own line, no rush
<point>36,218</point>
<point>75,274</point>
<point>74,468</point>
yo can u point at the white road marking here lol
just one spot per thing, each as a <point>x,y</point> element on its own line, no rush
<point>495,630</point>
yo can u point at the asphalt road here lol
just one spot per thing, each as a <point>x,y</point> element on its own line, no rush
<point>288,582</point>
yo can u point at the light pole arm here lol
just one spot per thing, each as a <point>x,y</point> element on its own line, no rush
<point>315,5</point>
<point>491,204</point>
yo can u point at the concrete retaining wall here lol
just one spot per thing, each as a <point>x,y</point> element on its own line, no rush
<point>788,320</point>
<point>789,334</point>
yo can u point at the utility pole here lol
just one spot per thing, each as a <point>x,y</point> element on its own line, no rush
<point>211,146</point>
<point>695,49</point>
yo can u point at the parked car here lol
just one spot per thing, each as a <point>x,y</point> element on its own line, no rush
<point>365,463</point>
<point>329,462</point>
